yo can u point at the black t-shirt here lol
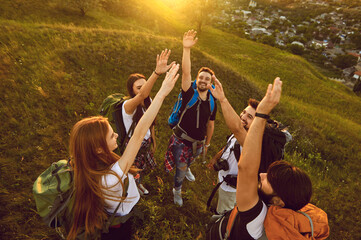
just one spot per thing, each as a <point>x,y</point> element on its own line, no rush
<point>189,121</point>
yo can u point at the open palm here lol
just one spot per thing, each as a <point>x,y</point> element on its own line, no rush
<point>189,39</point>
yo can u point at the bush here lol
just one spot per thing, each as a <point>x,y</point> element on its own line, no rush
<point>296,49</point>
<point>84,5</point>
<point>345,61</point>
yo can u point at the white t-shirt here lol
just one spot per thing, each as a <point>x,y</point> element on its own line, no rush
<point>232,163</point>
<point>109,180</point>
<point>128,120</point>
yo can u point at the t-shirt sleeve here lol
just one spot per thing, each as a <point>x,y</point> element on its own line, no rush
<point>213,116</point>
<point>112,181</point>
<point>187,95</point>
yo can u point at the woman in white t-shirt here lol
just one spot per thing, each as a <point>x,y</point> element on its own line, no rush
<point>99,173</point>
<point>134,108</point>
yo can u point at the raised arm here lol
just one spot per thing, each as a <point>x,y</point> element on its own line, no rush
<point>248,165</point>
<point>161,67</point>
<point>127,159</point>
<point>189,39</point>
<point>233,121</point>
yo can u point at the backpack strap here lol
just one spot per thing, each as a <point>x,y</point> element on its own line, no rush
<point>309,218</point>
<point>211,102</point>
<point>213,193</point>
<point>230,223</point>
<point>124,195</point>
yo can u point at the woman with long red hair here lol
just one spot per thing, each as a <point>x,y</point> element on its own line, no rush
<point>99,173</point>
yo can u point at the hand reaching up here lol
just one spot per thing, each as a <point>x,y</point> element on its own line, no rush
<point>272,97</point>
<point>217,92</point>
<point>169,81</point>
<point>162,61</point>
<point>189,39</point>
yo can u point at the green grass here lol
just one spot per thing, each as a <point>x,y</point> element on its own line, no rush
<point>56,68</point>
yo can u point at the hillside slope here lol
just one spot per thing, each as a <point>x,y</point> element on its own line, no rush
<point>52,74</point>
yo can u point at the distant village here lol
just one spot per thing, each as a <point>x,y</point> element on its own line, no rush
<point>324,36</point>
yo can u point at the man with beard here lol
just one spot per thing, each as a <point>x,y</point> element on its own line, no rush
<point>284,187</point>
<point>192,134</point>
<point>225,161</point>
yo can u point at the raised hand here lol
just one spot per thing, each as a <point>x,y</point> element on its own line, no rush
<point>162,61</point>
<point>189,39</point>
<point>217,92</point>
<point>272,97</point>
<point>169,81</point>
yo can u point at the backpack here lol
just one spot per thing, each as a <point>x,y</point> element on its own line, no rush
<point>177,113</point>
<point>221,226</point>
<point>273,144</point>
<point>111,108</point>
<point>53,193</point>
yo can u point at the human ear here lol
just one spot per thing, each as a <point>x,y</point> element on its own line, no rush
<point>277,201</point>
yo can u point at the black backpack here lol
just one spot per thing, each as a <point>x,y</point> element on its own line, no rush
<point>111,108</point>
<point>273,144</point>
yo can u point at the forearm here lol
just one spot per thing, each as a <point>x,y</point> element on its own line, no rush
<point>210,130</point>
<point>233,121</point>
<point>218,154</point>
<point>186,69</point>
<point>251,152</point>
<point>148,85</point>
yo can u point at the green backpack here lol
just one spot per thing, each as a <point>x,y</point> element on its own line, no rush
<point>111,108</point>
<point>53,193</point>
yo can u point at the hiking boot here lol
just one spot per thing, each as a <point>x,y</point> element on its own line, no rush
<point>178,197</point>
<point>142,190</point>
<point>190,177</point>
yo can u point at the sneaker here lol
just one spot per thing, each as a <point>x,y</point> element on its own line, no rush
<point>142,190</point>
<point>190,177</point>
<point>178,197</point>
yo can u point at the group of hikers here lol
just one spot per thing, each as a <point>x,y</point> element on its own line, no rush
<point>260,195</point>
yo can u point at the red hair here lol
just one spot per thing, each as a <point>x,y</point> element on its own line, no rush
<point>91,159</point>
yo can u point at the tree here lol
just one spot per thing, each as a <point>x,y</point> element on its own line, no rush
<point>296,49</point>
<point>356,39</point>
<point>345,61</point>
<point>84,5</point>
<point>200,11</point>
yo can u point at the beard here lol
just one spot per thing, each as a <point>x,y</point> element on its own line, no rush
<point>202,89</point>
<point>266,198</point>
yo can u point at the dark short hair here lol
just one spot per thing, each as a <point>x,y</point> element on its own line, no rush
<point>253,103</point>
<point>290,183</point>
<point>205,69</point>
<point>130,82</point>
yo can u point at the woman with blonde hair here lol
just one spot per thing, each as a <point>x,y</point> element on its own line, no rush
<point>99,173</point>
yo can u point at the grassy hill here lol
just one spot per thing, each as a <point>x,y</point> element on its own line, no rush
<point>56,67</point>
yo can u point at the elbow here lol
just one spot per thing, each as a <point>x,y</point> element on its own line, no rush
<point>142,95</point>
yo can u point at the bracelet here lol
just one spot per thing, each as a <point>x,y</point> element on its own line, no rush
<point>261,115</point>
<point>207,145</point>
<point>156,73</point>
